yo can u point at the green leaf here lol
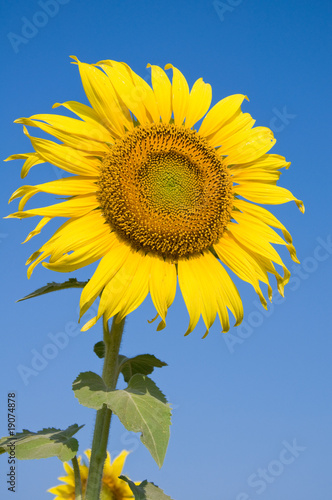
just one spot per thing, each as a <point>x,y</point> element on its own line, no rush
<point>47,443</point>
<point>141,407</point>
<point>145,490</point>
<point>53,287</point>
<point>143,363</point>
<point>99,349</point>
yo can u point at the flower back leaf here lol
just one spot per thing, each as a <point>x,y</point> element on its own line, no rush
<point>53,287</point>
<point>145,490</point>
<point>46,443</point>
<point>141,407</point>
<point>143,364</point>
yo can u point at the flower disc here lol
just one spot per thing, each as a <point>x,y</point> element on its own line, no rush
<point>164,190</point>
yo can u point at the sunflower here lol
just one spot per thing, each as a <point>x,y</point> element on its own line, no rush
<point>157,200</point>
<point>112,488</point>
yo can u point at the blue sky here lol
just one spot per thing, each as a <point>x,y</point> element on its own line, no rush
<point>257,399</point>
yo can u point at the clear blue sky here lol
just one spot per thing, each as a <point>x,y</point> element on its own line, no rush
<point>239,400</point>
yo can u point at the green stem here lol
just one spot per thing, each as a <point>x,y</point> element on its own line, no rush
<point>77,475</point>
<point>112,341</point>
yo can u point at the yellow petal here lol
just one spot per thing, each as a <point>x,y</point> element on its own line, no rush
<point>89,324</point>
<point>69,186</point>
<point>64,157</point>
<point>114,469</point>
<point>75,232</point>
<point>26,192</point>
<point>31,159</point>
<point>128,288</point>
<point>235,131</point>
<point>266,266</point>
<point>109,265</point>
<point>207,289</point>
<point>263,215</point>
<point>89,115</point>
<point>180,95</point>
<point>251,238</point>
<point>134,289</point>
<point>90,129</point>
<point>199,102</point>
<point>147,95</point>
<point>256,175</point>
<point>256,142</point>
<point>267,162</point>
<point>68,137</point>
<point>163,92</point>
<point>190,291</point>
<point>122,106</point>
<point>86,237</point>
<point>227,293</point>
<point>130,88</point>
<point>102,98</point>
<point>221,113</point>
<point>162,285</point>
<point>87,254</point>
<point>267,194</point>
<point>75,207</point>
<point>68,468</point>
<point>38,228</point>
<point>261,266</point>
<point>256,225</point>
<point>70,480</point>
<point>63,491</point>
<point>239,261</point>
<point>207,292</point>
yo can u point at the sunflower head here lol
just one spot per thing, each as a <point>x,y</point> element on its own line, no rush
<point>112,487</point>
<point>158,199</point>
<point>165,191</point>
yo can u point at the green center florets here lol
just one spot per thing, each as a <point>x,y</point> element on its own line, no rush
<point>171,182</point>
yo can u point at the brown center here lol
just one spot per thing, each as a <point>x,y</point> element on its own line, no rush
<point>165,190</point>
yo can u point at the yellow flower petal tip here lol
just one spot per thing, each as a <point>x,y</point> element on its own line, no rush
<point>76,61</point>
<point>161,326</point>
<point>154,201</point>
<point>301,206</point>
<point>89,324</point>
<point>153,319</point>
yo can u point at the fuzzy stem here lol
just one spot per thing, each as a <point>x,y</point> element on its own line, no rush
<point>112,341</point>
<point>77,475</point>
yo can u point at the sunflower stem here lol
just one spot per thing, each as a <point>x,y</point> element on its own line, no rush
<point>112,341</point>
<point>77,475</point>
